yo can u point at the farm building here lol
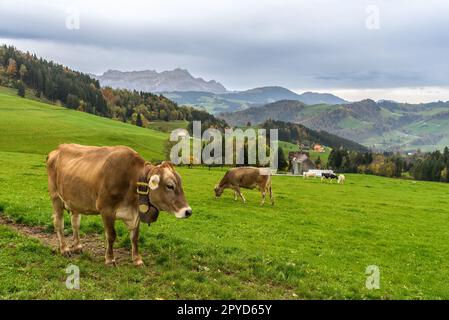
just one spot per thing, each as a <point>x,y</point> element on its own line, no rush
<point>300,162</point>
<point>319,148</point>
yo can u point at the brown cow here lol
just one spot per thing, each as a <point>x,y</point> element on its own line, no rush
<point>248,178</point>
<point>104,180</point>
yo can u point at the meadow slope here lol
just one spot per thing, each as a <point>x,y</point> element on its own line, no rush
<point>30,126</point>
<point>315,243</point>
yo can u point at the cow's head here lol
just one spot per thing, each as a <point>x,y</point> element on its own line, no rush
<point>166,192</point>
<point>218,191</point>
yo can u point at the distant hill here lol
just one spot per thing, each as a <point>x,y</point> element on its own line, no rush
<point>153,81</point>
<point>262,95</point>
<point>240,100</point>
<point>320,98</point>
<point>284,110</point>
<point>294,133</point>
<point>386,125</point>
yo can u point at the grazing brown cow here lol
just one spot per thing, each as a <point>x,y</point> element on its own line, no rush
<point>248,178</point>
<point>115,182</point>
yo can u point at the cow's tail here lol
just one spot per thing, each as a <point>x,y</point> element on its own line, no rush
<point>52,170</point>
<point>52,159</point>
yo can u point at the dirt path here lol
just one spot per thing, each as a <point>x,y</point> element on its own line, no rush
<point>93,244</point>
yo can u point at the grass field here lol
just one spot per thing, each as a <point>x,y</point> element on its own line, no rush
<point>315,243</point>
<point>34,127</point>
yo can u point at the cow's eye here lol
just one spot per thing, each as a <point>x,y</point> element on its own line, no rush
<point>170,186</point>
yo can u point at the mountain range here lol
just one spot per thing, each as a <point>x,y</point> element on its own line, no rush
<point>183,88</point>
<point>240,100</point>
<point>153,81</point>
<point>385,125</point>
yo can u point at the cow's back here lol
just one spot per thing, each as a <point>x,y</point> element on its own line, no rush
<point>83,175</point>
<point>247,177</point>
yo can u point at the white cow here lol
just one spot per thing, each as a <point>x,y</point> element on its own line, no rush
<point>341,179</point>
<point>309,174</point>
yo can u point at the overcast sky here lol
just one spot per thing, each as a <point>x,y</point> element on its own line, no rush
<point>392,49</point>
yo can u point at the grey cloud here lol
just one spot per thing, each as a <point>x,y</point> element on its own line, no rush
<point>247,43</point>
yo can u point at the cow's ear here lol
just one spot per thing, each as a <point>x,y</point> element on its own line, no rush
<point>154,182</point>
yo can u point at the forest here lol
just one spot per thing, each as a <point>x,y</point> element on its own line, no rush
<point>432,166</point>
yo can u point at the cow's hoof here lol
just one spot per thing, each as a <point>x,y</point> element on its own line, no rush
<point>66,252</point>
<point>111,263</point>
<point>78,249</point>
<point>139,263</point>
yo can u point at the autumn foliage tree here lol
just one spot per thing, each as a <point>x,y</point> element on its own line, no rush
<point>11,70</point>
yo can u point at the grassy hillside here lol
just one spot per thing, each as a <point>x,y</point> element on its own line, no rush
<point>315,243</point>
<point>234,101</point>
<point>33,127</point>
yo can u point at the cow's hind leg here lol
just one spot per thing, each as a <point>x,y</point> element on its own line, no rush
<point>263,197</point>
<point>76,222</point>
<point>271,195</point>
<point>58,223</point>
<point>111,235</point>
<point>263,191</point>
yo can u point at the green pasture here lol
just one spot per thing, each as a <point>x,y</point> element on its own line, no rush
<point>315,243</point>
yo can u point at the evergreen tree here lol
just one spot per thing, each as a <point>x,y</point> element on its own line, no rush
<point>139,122</point>
<point>21,89</point>
<point>282,162</point>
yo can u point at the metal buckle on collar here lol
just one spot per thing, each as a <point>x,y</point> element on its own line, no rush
<point>145,185</point>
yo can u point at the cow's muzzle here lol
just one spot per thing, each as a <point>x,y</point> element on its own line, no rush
<point>184,213</point>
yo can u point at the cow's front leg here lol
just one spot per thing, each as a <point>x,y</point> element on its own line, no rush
<point>134,235</point>
<point>76,221</point>
<point>111,235</point>
<point>240,194</point>
<point>130,217</point>
<point>235,195</point>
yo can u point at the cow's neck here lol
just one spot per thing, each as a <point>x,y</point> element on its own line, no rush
<point>147,211</point>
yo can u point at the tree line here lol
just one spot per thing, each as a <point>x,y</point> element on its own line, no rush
<point>432,166</point>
